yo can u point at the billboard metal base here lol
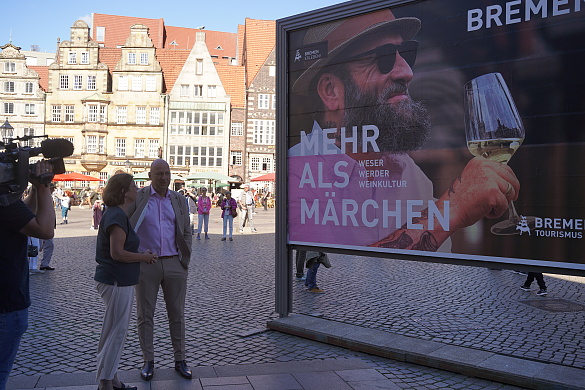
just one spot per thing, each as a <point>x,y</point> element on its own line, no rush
<point>467,361</point>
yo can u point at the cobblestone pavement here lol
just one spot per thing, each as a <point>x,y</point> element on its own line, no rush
<point>231,296</point>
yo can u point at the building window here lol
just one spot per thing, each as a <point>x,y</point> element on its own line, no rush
<point>132,58</point>
<point>237,129</point>
<point>104,176</point>
<point>154,115</point>
<point>196,123</point>
<point>56,114</point>
<point>184,90</point>
<point>9,86</point>
<point>69,114</point>
<point>138,148</point>
<point>92,113</point>
<point>137,83</point>
<point>195,155</point>
<point>122,83</point>
<point>151,83</point>
<point>85,57</point>
<point>100,34</point>
<point>266,163</point>
<point>121,115</point>
<point>236,158</point>
<point>103,114</point>
<point>77,82</point>
<point>264,132</point>
<point>10,67</point>
<point>271,70</point>
<point>9,108</point>
<point>29,87</point>
<point>102,145</point>
<point>120,147</point>
<point>211,91</point>
<point>143,58</point>
<point>140,115</point>
<point>263,101</point>
<point>29,109</point>
<point>91,82</point>
<point>274,102</point>
<point>72,58</point>
<point>255,165</point>
<point>153,148</point>
<point>199,66</point>
<point>198,90</point>
<point>29,131</point>
<point>64,82</point>
<point>91,144</point>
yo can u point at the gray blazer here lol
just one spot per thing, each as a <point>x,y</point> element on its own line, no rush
<point>183,234</point>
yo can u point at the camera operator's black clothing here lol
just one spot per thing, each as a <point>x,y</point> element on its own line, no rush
<point>14,292</point>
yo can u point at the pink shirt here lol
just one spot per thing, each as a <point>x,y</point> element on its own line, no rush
<point>157,230</point>
<point>203,205</point>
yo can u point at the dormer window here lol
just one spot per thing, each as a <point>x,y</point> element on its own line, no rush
<point>132,58</point>
<point>72,57</point>
<point>219,48</point>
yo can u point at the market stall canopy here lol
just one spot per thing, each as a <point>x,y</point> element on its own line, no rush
<point>267,177</point>
<point>209,176</point>
<point>74,176</point>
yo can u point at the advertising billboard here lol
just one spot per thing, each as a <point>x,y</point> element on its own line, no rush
<point>442,129</point>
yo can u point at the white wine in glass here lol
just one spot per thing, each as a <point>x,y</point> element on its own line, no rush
<point>494,131</point>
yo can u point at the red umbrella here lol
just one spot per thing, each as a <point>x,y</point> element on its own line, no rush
<point>267,177</point>
<point>74,176</point>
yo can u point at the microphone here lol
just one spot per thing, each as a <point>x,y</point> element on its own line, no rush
<point>52,148</point>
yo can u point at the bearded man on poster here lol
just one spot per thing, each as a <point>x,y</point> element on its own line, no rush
<point>356,183</point>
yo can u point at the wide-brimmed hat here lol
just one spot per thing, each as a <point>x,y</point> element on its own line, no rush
<point>339,34</point>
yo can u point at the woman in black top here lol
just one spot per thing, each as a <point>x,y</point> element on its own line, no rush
<point>116,274</point>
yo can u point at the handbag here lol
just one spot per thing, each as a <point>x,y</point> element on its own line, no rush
<point>234,213</point>
<point>32,250</point>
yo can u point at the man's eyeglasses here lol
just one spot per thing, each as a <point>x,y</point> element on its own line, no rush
<point>385,55</point>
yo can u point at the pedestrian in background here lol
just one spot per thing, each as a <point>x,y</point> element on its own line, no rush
<point>539,279</point>
<point>203,209</point>
<point>65,206</point>
<point>98,211</point>
<point>192,204</point>
<point>247,206</point>
<point>116,274</point>
<point>229,208</point>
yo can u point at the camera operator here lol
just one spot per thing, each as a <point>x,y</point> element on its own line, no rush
<point>33,217</point>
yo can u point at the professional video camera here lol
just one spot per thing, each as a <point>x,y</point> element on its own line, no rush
<point>15,169</point>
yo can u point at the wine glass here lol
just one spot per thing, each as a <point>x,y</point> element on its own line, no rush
<point>494,131</point>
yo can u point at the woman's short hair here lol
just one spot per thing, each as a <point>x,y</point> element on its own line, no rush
<point>116,188</point>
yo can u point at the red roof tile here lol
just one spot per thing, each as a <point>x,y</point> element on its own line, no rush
<point>232,78</point>
<point>43,72</point>
<point>259,42</point>
<point>171,62</point>
<point>118,29</point>
<point>110,57</point>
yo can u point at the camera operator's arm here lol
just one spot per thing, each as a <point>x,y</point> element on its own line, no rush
<point>40,202</point>
<point>484,189</point>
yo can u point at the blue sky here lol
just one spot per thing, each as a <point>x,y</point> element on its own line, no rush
<point>41,22</point>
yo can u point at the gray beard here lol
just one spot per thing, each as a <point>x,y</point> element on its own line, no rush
<point>404,126</point>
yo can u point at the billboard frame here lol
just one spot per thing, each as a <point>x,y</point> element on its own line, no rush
<point>283,249</point>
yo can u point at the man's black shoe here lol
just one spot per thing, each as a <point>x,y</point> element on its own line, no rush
<point>47,268</point>
<point>124,387</point>
<point>182,368</point>
<point>147,371</point>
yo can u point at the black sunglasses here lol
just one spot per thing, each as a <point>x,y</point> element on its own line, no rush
<point>385,55</point>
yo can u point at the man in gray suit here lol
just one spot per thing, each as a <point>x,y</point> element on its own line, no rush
<point>160,217</point>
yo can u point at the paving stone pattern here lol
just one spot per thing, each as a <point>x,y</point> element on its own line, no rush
<point>231,293</point>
